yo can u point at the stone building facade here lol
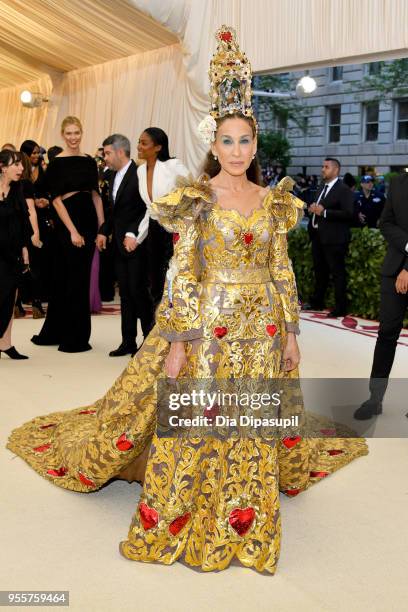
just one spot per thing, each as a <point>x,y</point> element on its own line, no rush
<point>364,133</point>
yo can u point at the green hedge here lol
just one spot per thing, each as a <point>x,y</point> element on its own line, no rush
<point>366,253</point>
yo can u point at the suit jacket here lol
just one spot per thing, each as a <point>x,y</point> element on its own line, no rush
<point>127,212</point>
<point>339,205</point>
<point>394,226</point>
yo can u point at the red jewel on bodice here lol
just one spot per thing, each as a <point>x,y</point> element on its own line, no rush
<point>42,448</point>
<point>177,525</point>
<point>59,473</point>
<point>271,330</point>
<point>220,332</point>
<point>248,238</point>
<point>123,443</point>
<point>291,442</point>
<point>86,481</point>
<point>241,520</point>
<point>148,516</point>
<point>176,237</point>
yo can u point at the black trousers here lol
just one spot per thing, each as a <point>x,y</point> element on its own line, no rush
<point>329,259</point>
<point>160,251</point>
<point>393,307</point>
<point>135,298</point>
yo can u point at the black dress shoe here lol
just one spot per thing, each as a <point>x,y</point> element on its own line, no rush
<point>123,349</point>
<point>333,314</point>
<point>13,353</point>
<point>368,409</point>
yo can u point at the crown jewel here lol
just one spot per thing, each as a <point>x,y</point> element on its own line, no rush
<point>230,77</point>
<point>230,83</point>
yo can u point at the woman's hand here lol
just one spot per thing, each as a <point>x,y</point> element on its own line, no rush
<point>175,360</point>
<point>291,353</point>
<point>24,254</point>
<point>35,239</point>
<point>76,239</point>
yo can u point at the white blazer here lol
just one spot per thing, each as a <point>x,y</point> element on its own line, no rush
<point>164,180</point>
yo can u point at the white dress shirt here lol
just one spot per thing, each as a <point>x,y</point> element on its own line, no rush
<point>118,179</point>
<point>329,186</point>
<point>164,180</point>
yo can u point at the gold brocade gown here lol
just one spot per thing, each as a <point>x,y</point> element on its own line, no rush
<point>231,297</point>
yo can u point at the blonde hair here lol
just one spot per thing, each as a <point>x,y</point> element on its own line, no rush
<point>70,120</point>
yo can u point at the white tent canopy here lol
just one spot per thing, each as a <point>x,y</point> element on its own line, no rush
<point>126,64</point>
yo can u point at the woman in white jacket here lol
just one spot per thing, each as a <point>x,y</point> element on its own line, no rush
<point>157,177</point>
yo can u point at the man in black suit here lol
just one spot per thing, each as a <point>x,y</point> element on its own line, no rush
<point>329,230</point>
<point>126,223</point>
<point>394,293</point>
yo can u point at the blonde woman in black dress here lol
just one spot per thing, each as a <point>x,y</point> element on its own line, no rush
<point>72,179</point>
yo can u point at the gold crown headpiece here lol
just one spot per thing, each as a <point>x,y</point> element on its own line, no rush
<point>230,83</point>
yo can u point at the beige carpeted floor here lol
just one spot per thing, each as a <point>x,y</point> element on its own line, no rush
<point>345,541</point>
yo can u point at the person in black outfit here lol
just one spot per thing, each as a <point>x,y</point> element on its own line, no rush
<point>368,204</point>
<point>72,180</point>
<point>128,211</point>
<point>106,257</point>
<point>394,293</point>
<point>14,239</point>
<point>41,259</point>
<point>329,231</point>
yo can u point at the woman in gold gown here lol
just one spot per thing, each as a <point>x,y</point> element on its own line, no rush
<point>229,311</point>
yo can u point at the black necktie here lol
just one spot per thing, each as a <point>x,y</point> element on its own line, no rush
<point>324,192</point>
<point>315,222</point>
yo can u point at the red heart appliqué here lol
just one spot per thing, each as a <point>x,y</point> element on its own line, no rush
<point>86,481</point>
<point>271,330</point>
<point>42,448</point>
<point>148,516</point>
<point>58,473</point>
<point>123,443</point>
<point>176,237</point>
<point>291,442</point>
<point>220,332</point>
<point>248,237</point>
<point>241,519</point>
<point>177,525</point>
<point>211,413</point>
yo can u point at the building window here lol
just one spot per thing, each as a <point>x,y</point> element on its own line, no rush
<point>374,68</point>
<point>337,73</point>
<point>402,120</point>
<point>333,122</point>
<point>280,123</point>
<point>371,121</point>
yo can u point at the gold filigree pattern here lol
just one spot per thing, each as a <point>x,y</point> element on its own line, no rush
<point>205,500</point>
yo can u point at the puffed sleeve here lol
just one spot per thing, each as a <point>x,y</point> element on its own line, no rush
<point>178,315</point>
<point>286,211</point>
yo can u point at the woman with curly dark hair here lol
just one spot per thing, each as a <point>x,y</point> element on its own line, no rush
<point>14,238</point>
